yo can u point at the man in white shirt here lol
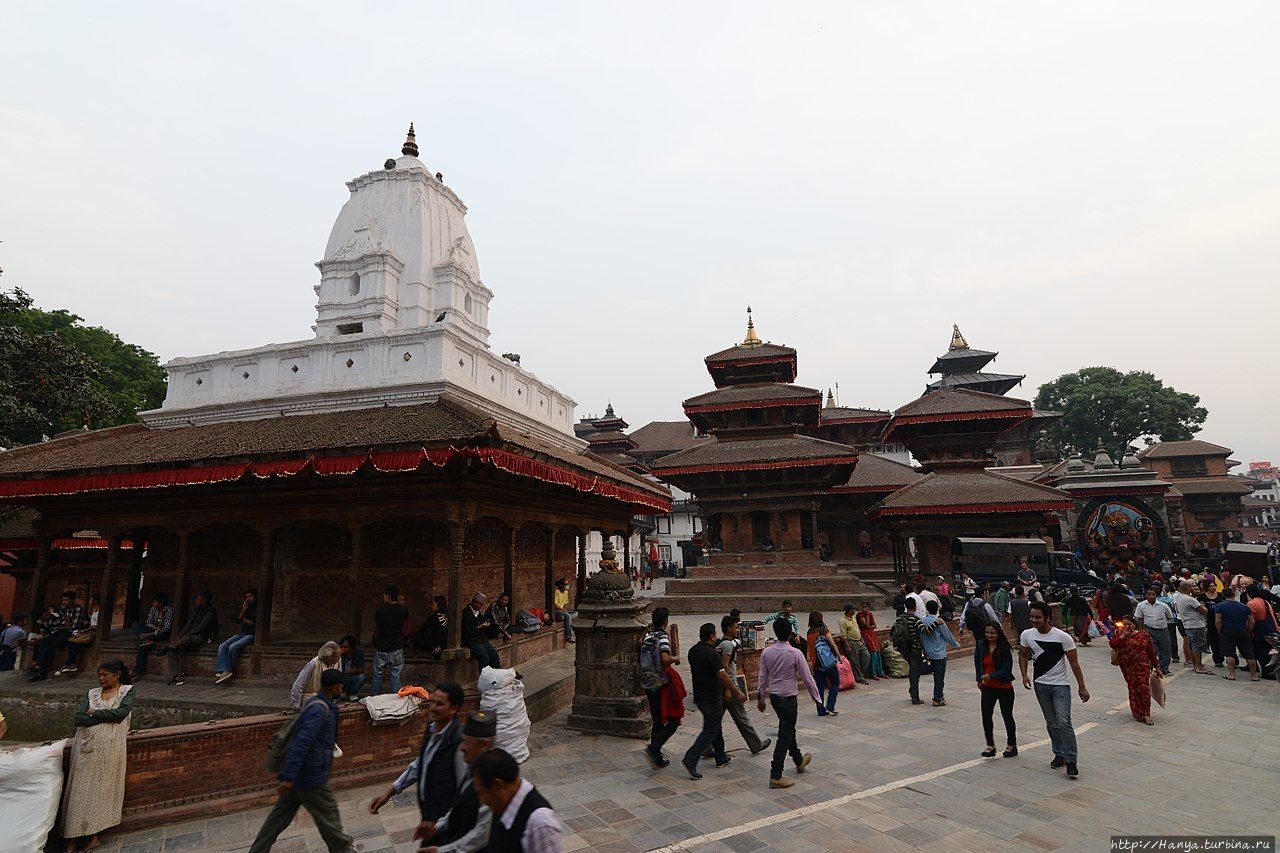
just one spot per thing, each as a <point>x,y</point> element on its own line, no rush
<point>1053,650</point>
<point>1195,622</point>
<point>1154,617</point>
<point>522,818</point>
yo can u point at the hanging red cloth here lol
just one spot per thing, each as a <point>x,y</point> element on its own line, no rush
<point>671,698</point>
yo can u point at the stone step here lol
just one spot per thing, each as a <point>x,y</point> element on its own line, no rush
<point>764,602</point>
<point>749,558</point>
<point>813,568</point>
<point>839,584</point>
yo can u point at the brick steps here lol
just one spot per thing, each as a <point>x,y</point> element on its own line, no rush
<point>767,602</point>
<point>812,568</point>
<point>840,584</point>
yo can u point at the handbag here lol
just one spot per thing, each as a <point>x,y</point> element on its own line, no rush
<point>1115,657</point>
<point>847,679</point>
<point>82,638</point>
<point>1157,688</point>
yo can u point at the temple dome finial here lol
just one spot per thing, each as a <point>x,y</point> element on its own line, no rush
<point>752,339</point>
<point>957,339</point>
<point>831,399</point>
<point>410,148</point>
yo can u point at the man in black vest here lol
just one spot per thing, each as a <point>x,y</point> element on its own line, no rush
<point>466,826</point>
<point>439,770</point>
<point>523,821</point>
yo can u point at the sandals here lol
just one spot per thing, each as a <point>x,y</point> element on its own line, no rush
<point>989,752</point>
<point>1229,677</point>
<point>1010,751</point>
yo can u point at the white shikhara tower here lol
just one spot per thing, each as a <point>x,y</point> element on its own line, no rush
<point>401,318</point>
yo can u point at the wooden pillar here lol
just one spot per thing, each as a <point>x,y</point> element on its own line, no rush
<point>509,568</point>
<point>626,551</point>
<point>133,580</point>
<point>813,528</point>
<point>548,577</point>
<point>40,579</point>
<point>354,571</point>
<point>266,587</point>
<point>182,583</point>
<point>107,608</point>
<point>582,567</point>
<point>457,552</point>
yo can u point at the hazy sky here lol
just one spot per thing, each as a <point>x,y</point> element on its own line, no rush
<point>1074,184</point>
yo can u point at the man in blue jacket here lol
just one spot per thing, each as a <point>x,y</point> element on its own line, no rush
<point>305,779</point>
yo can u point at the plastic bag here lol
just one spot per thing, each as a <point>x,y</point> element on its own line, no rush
<point>1094,630</point>
<point>503,694</point>
<point>30,789</point>
<point>895,665</point>
<point>847,679</point>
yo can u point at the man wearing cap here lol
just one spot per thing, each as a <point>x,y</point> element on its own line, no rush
<point>466,827</point>
<point>437,771</point>
<point>475,626</point>
<point>304,781</point>
<point>855,649</point>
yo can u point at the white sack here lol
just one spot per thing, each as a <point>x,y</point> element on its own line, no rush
<point>503,694</point>
<point>30,789</point>
<point>390,708</point>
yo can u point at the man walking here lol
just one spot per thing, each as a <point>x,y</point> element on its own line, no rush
<point>437,771</point>
<point>1192,613</point>
<point>935,642</point>
<point>230,648</point>
<point>1154,617</point>
<point>905,636</point>
<point>1235,632</point>
<point>466,826</point>
<point>1020,610</point>
<point>710,681</point>
<point>305,779</point>
<point>388,640</point>
<point>656,647</point>
<point>781,666</point>
<point>523,821</point>
<point>1053,650</point>
<point>1000,601</point>
<point>854,647</point>
<point>728,649</point>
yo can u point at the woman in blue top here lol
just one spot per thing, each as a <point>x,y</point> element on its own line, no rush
<point>993,662</point>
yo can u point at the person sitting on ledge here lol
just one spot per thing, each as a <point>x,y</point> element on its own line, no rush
<point>351,665</point>
<point>308,682</point>
<point>158,624</point>
<point>560,599</point>
<point>474,625</point>
<point>499,617</point>
<point>201,628</point>
<point>766,544</point>
<point>230,648</point>
<point>67,620</point>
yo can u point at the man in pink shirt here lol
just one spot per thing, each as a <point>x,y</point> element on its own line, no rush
<point>781,665</point>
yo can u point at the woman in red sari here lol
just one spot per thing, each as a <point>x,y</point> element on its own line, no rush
<point>867,625</point>
<point>1138,658</point>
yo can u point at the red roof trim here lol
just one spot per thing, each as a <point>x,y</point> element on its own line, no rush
<point>69,543</point>
<point>861,419</point>
<point>1102,493</point>
<point>1001,414</point>
<point>756,466</point>
<point>753,404</point>
<point>506,460</point>
<point>864,490</point>
<point>974,509</point>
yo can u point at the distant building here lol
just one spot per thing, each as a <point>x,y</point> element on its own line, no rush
<point>1212,500</point>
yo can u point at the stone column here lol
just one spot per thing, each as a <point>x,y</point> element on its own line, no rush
<point>40,578</point>
<point>266,587</point>
<point>607,696</point>
<point>354,609</point>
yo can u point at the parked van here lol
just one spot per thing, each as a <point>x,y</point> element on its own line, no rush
<point>998,560</point>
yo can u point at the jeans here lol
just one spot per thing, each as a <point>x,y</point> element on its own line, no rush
<point>1055,704</point>
<point>787,710</point>
<point>352,683</point>
<point>383,661</point>
<point>229,650</point>
<point>1004,696</point>
<point>829,687</point>
<point>861,660</point>
<point>661,732</point>
<point>712,733</point>
<point>913,674</point>
<point>322,807</point>
<point>939,667</point>
<point>1160,636</point>
<point>567,618</point>
<point>483,653</point>
<point>8,658</point>
<point>48,647</point>
<point>1173,640</point>
<point>182,644</point>
<point>144,652</point>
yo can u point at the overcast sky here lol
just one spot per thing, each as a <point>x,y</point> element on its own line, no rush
<point>1074,184</point>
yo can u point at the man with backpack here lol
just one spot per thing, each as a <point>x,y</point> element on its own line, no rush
<point>935,645</point>
<point>737,710</point>
<point>304,779</point>
<point>655,656</point>
<point>905,636</point>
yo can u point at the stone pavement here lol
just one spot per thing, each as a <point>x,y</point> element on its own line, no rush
<point>886,775</point>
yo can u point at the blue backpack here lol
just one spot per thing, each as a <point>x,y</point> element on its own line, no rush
<point>827,656</point>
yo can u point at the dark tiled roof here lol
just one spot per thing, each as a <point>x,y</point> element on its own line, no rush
<point>960,400</point>
<point>787,448</point>
<point>763,391</point>
<point>737,353</point>
<point>956,358</point>
<point>876,473</point>
<point>666,437</point>
<point>1175,449</point>
<point>980,490</point>
<point>1212,486</point>
<point>838,413</point>
<point>965,379</point>
<point>1029,473</point>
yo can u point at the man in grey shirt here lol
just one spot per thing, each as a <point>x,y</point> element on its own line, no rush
<point>1195,622</point>
<point>728,649</point>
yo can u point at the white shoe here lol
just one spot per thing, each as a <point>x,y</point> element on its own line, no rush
<point>222,676</point>
<point>67,670</point>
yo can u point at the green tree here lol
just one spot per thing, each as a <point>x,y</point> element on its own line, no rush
<point>1118,408</point>
<point>57,374</point>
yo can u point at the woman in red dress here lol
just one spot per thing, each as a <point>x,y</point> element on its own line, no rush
<point>1138,658</point>
<point>867,625</point>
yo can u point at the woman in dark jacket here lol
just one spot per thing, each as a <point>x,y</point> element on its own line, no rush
<point>993,662</point>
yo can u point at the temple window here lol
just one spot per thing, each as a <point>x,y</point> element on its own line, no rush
<point>355,284</point>
<point>350,328</point>
<point>466,303</point>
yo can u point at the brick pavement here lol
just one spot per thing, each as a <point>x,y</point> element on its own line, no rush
<point>886,776</point>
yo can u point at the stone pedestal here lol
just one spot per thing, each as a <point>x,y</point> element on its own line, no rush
<point>607,697</point>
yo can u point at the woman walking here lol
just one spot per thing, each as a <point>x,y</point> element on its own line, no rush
<point>993,662</point>
<point>1137,658</point>
<point>867,625</point>
<point>93,798</point>
<point>823,657</point>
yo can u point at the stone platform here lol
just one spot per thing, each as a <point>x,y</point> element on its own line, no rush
<point>748,582</point>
